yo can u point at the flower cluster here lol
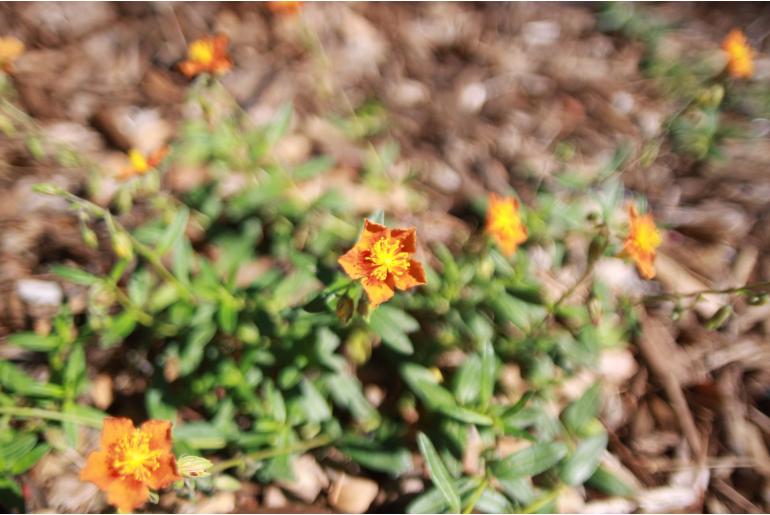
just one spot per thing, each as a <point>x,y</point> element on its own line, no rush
<point>382,259</point>
<point>10,50</point>
<point>284,7</point>
<point>504,223</point>
<point>740,64</point>
<point>207,55</point>
<point>139,164</point>
<point>642,241</point>
<point>130,462</point>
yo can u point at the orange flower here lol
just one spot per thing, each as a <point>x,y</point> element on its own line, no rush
<point>741,57</point>
<point>382,259</point>
<point>139,164</point>
<point>504,223</point>
<point>207,55</point>
<point>131,461</point>
<point>642,240</point>
<point>10,49</point>
<point>284,7</point>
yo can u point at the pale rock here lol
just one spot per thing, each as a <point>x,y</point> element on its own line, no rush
<point>351,494</point>
<point>39,293</point>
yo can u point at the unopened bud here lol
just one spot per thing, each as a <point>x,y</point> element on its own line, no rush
<point>757,300</point>
<point>122,246</point>
<point>344,309</point>
<point>597,246</point>
<point>194,466</point>
<point>89,237</point>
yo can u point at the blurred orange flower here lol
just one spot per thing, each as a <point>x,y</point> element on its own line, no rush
<point>284,7</point>
<point>741,57</point>
<point>382,259</point>
<point>504,223</point>
<point>10,49</point>
<point>642,240</point>
<point>131,461</point>
<point>207,55</point>
<point>138,164</point>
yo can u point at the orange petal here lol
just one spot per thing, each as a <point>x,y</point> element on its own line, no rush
<point>113,429</point>
<point>352,263</point>
<point>632,212</point>
<point>407,237</point>
<point>160,434</point>
<point>377,291</point>
<point>127,494</point>
<point>644,263</point>
<point>165,474</point>
<point>414,277</point>
<point>97,470</point>
<point>190,68</point>
<point>371,233</point>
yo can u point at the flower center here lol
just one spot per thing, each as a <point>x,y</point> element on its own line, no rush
<point>506,220</point>
<point>138,162</point>
<point>133,456</point>
<point>387,258</point>
<point>647,237</point>
<point>201,52</point>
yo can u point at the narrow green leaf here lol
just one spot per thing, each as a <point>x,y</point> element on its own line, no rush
<point>174,231</point>
<point>75,275</point>
<point>34,342</point>
<point>438,472</point>
<point>607,482</point>
<point>487,379</point>
<point>583,463</point>
<point>28,460</point>
<point>531,461</point>
<point>578,414</point>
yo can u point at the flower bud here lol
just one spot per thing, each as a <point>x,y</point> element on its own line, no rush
<point>194,466</point>
<point>344,309</point>
<point>121,244</point>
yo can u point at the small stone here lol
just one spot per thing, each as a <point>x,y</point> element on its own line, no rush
<point>351,494</point>
<point>309,479</point>
<point>541,33</point>
<point>39,293</point>
<point>472,97</point>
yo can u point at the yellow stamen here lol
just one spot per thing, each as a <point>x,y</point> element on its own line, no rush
<point>387,258</point>
<point>133,456</point>
<point>201,52</point>
<point>647,236</point>
<point>138,161</point>
<point>505,219</point>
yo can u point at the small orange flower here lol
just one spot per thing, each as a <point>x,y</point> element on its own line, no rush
<point>741,57</point>
<point>382,259</point>
<point>642,240</point>
<point>131,461</point>
<point>207,55</point>
<point>10,49</point>
<point>284,7</point>
<point>504,223</point>
<point>139,164</point>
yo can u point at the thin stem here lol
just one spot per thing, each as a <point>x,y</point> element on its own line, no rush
<point>544,501</point>
<point>264,454</point>
<point>21,412</point>
<point>474,498</point>
<point>755,288</point>
<point>141,249</point>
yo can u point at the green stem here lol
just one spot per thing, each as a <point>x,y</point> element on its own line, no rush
<point>474,498</point>
<point>264,454</point>
<point>20,412</point>
<point>143,250</point>
<point>754,288</point>
<point>543,501</point>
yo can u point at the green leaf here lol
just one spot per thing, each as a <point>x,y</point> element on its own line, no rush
<point>438,472</point>
<point>199,435</point>
<point>578,414</point>
<point>174,231</point>
<point>34,342</point>
<point>279,125</point>
<point>376,456</point>
<point>377,217</point>
<point>346,392</point>
<point>492,501</point>
<point>392,325</point>
<point>583,463</point>
<point>487,379</point>
<point>607,482</point>
<point>75,275</point>
<point>316,408</point>
<point>28,460</point>
<point>74,370</point>
<point>531,461</point>
<point>466,384</point>
<point>15,449</point>
<point>313,167</point>
<point>192,353</point>
<point>15,380</point>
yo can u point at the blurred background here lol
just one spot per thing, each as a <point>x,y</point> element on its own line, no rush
<point>463,99</point>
